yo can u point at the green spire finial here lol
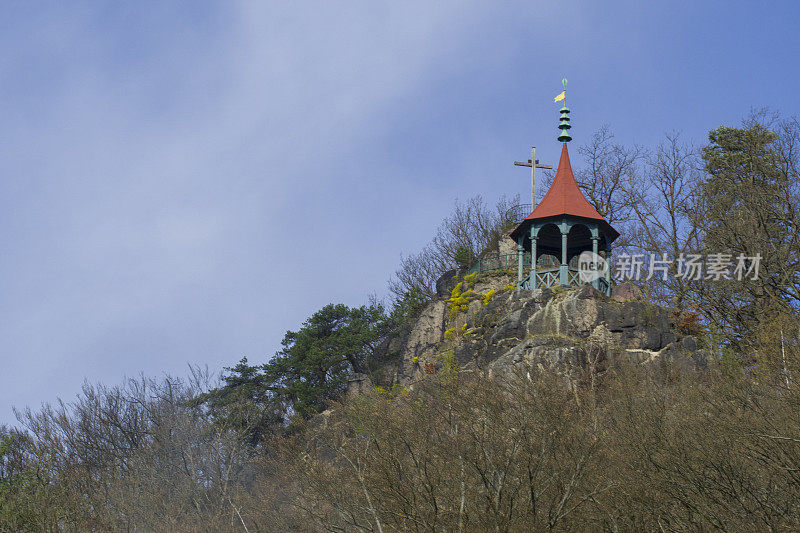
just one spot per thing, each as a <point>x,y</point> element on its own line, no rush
<point>563,124</point>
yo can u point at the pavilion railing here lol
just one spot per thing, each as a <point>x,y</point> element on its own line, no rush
<point>574,277</point>
<point>506,261</point>
<point>496,262</point>
<point>550,277</point>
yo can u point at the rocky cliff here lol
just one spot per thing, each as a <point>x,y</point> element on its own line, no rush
<point>483,322</point>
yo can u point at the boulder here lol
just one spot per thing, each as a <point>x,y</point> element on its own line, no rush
<point>543,328</point>
<point>626,291</point>
<point>445,283</point>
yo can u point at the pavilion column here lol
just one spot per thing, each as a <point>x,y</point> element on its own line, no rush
<point>596,280</point>
<point>533,284</point>
<point>564,273</point>
<point>520,260</point>
<point>608,270</point>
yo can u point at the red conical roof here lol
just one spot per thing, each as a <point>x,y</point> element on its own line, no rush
<point>564,196</point>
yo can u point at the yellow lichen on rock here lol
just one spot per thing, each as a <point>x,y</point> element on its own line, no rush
<point>463,293</point>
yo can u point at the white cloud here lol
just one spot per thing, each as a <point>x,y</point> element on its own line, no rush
<point>178,190</point>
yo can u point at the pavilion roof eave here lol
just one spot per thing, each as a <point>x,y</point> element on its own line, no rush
<point>610,232</point>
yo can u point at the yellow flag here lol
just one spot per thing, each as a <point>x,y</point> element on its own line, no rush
<point>560,96</point>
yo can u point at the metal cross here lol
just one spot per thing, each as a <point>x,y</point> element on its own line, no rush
<point>534,164</point>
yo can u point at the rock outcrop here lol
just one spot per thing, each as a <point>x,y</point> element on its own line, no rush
<point>484,322</point>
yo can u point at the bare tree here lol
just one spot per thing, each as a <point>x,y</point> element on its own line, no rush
<point>664,203</point>
<point>136,456</point>
<point>458,455</point>
<point>471,229</point>
<point>609,167</point>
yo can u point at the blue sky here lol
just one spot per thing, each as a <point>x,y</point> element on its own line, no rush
<point>182,183</point>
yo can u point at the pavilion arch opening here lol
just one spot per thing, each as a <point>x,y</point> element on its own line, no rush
<point>579,239</point>
<point>548,246</point>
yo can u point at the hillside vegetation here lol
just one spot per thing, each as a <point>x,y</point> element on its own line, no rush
<point>419,415</point>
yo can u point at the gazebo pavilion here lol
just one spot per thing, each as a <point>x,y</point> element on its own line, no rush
<point>559,229</point>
